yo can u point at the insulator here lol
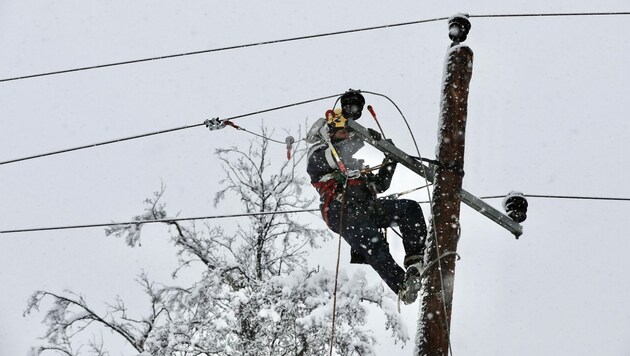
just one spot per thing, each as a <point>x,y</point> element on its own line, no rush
<point>352,103</point>
<point>458,28</point>
<point>515,206</point>
<point>289,141</point>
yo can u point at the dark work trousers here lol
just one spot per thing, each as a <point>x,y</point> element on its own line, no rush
<point>361,223</point>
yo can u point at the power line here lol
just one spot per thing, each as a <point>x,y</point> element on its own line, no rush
<point>139,222</point>
<point>291,39</point>
<point>225,216</point>
<point>575,197</point>
<point>100,144</point>
<point>299,38</point>
<point>559,14</point>
<point>251,45</point>
<point>161,131</point>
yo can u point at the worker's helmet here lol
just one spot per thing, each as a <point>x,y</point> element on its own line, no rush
<point>352,104</point>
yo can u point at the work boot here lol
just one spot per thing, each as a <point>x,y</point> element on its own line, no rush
<point>413,279</point>
<point>412,259</point>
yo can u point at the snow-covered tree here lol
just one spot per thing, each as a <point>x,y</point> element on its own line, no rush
<point>256,295</point>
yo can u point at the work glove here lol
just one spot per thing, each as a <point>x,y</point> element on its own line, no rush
<point>376,136</point>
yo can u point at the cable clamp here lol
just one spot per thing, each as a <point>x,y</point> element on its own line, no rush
<point>215,123</point>
<point>353,174</point>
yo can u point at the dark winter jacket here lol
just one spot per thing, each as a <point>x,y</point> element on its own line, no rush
<point>323,167</point>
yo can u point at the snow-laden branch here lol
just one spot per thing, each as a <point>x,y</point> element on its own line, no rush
<point>254,296</point>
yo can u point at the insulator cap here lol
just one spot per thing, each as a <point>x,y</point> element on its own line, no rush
<point>352,104</point>
<point>458,27</point>
<point>515,206</point>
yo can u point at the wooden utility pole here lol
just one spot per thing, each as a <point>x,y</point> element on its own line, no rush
<point>433,336</point>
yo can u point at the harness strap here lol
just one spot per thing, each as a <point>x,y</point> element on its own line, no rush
<point>328,190</point>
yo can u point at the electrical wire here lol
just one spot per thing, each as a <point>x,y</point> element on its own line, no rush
<point>559,14</point>
<point>41,155</point>
<point>258,44</point>
<point>69,227</point>
<point>413,137</point>
<point>154,221</point>
<point>574,197</point>
<point>227,122</point>
<point>255,44</point>
<point>299,38</point>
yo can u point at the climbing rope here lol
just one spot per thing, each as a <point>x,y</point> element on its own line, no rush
<point>334,311</point>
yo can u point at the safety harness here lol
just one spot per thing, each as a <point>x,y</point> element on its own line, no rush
<point>329,188</point>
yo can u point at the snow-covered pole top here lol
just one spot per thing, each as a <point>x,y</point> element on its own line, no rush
<point>458,28</point>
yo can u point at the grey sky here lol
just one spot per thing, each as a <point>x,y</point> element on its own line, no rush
<point>547,115</point>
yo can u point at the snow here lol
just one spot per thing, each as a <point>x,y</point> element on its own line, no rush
<point>458,14</point>
<point>269,314</point>
<point>525,82</point>
<point>75,317</point>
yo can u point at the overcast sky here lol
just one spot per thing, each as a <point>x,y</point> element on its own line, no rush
<point>548,113</point>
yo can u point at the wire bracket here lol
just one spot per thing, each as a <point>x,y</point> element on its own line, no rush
<point>214,124</point>
<point>428,172</point>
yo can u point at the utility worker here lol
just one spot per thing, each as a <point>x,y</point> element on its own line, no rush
<point>349,204</point>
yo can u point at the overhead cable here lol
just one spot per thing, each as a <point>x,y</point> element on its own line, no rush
<point>100,144</point>
<point>299,38</point>
<point>155,221</point>
<point>225,216</point>
<point>559,14</point>
<point>574,197</point>
<point>161,132</point>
